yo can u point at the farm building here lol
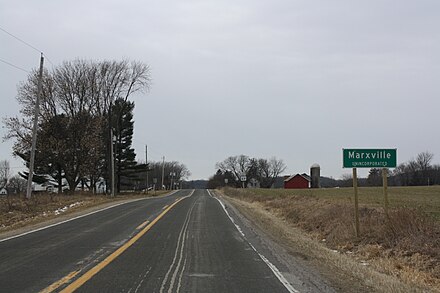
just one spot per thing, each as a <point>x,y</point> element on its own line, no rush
<point>297,181</point>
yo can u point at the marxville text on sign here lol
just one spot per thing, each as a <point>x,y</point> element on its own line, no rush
<point>369,158</point>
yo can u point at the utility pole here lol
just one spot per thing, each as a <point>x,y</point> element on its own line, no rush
<point>172,174</point>
<point>163,170</point>
<point>146,162</point>
<point>112,159</point>
<point>112,151</point>
<point>34,129</point>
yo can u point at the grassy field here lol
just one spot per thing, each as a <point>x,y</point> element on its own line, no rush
<point>423,198</point>
<point>405,244</point>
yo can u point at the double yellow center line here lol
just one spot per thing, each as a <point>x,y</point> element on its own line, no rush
<point>93,271</point>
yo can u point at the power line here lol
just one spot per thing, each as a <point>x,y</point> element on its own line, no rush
<point>15,66</point>
<point>48,60</point>
<point>17,38</point>
<point>27,44</point>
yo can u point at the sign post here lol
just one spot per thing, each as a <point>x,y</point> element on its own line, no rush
<point>243,180</point>
<point>356,202</point>
<point>385,190</point>
<point>369,158</point>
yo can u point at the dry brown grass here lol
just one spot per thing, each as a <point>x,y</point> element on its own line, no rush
<point>17,212</point>
<point>405,245</point>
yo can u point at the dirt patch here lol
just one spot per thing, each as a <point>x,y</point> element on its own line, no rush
<point>395,254</point>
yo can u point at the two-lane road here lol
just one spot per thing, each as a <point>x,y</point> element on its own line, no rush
<point>184,242</point>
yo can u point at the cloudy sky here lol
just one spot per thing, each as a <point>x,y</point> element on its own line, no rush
<point>295,79</point>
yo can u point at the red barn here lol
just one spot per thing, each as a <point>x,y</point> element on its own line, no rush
<point>297,181</point>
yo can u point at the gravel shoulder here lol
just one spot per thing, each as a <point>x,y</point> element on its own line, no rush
<point>304,260</point>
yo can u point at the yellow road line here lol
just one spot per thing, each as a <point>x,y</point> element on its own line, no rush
<point>93,271</point>
<point>165,207</point>
<point>142,225</point>
<point>63,281</point>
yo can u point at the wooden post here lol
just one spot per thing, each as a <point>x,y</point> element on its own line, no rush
<point>385,190</point>
<point>356,202</point>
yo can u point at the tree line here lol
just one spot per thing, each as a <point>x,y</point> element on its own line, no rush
<point>417,171</point>
<point>81,102</point>
<point>15,183</point>
<point>174,173</point>
<point>259,171</point>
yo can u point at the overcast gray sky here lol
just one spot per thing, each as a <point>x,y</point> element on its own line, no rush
<point>299,80</point>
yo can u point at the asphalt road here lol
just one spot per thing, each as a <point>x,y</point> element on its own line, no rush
<point>185,242</point>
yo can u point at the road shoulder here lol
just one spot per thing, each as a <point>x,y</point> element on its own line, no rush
<point>295,266</point>
<point>304,259</point>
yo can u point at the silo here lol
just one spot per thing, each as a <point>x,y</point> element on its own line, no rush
<point>315,174</point>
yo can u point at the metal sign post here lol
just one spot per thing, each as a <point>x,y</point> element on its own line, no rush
<point>243,180</point>
<point>154,181</point>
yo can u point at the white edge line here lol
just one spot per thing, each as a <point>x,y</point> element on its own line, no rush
<point>75,218</point>
<point>271,266</point>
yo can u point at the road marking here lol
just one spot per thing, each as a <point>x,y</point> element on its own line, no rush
<point>165,207</point>
<point>96,269</point>
<point>61,282</point>
<point>142,280</point>
<point>79,217</point>
<point>271,266</point>
<point>179,251</point>
<point>142,225</point>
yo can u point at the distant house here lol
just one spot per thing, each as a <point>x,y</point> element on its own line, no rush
<point>253,183</point>
<point>297,181</point>
<point>3,191</point>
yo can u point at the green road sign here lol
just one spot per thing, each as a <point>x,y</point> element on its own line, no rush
<point>369,158</point>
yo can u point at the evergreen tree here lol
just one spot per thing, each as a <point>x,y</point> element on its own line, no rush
<point>122,123</point>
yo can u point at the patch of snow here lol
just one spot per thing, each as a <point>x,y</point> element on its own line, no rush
<point>64,209</point>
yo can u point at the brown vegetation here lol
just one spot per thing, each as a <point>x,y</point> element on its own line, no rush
<point>17,212</point>
<point>405,245</point>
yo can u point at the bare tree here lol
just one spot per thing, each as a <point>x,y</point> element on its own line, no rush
<point>423,160</point>
<point>264,170</point>
<point>347,180</point>
<point>418,171</point>
<point>238,165</point>
<point>17,184</point>
<point>82,91</point>
<point>5,173</point>
<point>269,170</point>
<point>173,171</point>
